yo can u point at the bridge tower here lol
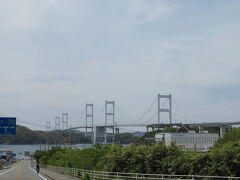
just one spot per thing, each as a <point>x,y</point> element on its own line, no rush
<point>64,121</point>
<point>166,110</point>
<point>48,126</point>
<point>57,127</point>
<point>109,113</point>
<point>89,116</point>
<point>57,123</point>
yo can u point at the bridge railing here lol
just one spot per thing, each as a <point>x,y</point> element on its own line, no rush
<point>97,175</point>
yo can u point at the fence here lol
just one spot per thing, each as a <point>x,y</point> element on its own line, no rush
<point>101,175</point>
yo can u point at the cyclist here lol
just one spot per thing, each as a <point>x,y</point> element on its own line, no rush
<point>37,167</point>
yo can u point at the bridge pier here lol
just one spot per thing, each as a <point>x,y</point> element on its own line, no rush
<point>201,130</point>
<point>222,131</point>
<point>150,128</point>
<point>99,133</point>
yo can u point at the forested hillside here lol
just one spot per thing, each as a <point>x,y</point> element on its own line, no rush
<point>25,135</point>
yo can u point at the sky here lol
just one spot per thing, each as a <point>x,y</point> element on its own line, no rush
<point>57,55</point>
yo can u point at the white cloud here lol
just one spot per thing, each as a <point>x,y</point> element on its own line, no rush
<point>24,15</point>
<point>156,14</point>
<point>61,54</point>
<point>149,11</point>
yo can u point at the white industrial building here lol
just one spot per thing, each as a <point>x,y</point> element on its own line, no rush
<point>189,141</point>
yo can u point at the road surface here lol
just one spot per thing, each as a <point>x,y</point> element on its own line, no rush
<point>21,171</point>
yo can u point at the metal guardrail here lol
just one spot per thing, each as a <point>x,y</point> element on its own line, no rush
<point>97,175</point>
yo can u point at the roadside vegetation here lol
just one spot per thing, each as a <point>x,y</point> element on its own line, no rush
<point>222,160</point>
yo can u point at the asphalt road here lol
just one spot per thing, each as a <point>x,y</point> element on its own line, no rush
<point>21,171</point>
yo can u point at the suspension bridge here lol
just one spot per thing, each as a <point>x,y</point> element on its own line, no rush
<point>110,128</point>
<point>150,120</point>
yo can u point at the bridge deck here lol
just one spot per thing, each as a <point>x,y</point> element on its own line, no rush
<point>162,125</point>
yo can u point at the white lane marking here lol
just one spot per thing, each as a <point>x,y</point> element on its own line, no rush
<point>38,174</point>
<point>8,170</point>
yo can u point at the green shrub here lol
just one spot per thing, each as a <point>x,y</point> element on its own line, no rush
<point>86,177</point>
<point>223,159</point>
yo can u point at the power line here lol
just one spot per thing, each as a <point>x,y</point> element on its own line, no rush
<point>27,123</point>
<point>30,123</point>
<point>2,114</point>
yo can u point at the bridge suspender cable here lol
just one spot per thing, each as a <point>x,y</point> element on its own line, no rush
<point>154,115</point>
<point>147,111</point>
<point>181,111</point>
<point>80,119</point>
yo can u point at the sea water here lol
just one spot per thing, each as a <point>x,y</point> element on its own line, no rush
<point>20,150</point>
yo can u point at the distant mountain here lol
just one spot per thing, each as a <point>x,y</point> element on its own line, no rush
<point>25,135</point>
<point>138,133</point>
